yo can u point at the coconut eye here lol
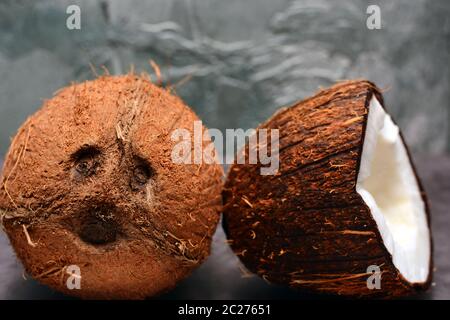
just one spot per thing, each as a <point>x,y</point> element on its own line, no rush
<point>141,173</point>
<point>86,161</point>
<point>86,167</point>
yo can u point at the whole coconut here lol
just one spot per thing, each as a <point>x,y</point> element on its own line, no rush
<point>89,182</point>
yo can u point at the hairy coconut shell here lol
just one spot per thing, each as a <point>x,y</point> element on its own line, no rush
<point>306,226</point>
<point>89,181</point>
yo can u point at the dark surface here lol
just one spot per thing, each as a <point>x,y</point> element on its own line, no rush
<point>222,277</point>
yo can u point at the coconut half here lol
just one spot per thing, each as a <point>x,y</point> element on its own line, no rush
<point>346,199</point>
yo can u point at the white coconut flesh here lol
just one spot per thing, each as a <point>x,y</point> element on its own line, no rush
<point>389,187</point>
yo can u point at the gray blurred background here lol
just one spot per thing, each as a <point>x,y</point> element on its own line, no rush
<point>234,62</point>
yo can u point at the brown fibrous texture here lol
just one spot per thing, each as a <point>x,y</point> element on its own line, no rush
<point>306,226</point>
<point>89,181</point>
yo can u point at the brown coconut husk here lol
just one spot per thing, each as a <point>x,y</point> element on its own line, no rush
<point>89,181</point>
<point>306,226</point>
